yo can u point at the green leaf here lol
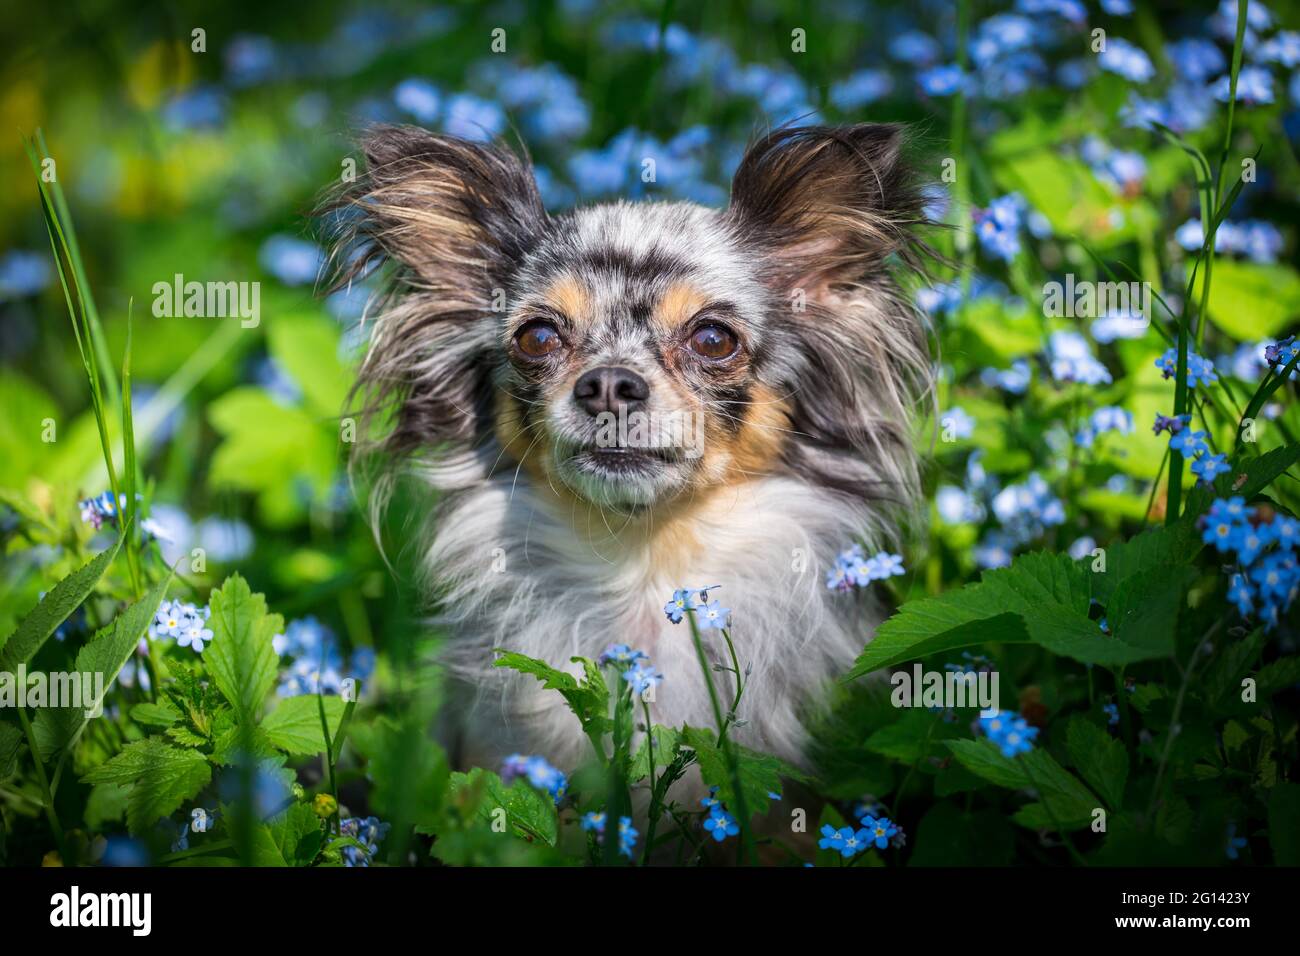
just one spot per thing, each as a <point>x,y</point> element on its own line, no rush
<point>1250,300</point>
<point>1143,611</point>
<point>58,727</point>
<point>1284,823</point>
<point>11,739</point>
<point>241,658</point>
<point>912,737</point>
<point>588,698</point>
<point>665,742</point>
<point>294,726</point>
<point>1100,759</point>
<point>307,347</point>
<point>161,778</point>
<point>1058,790</point>
<point>291,838</point>
<point>1042,598</point>
<point>759,773</point>
<point>64,598</point>
<point>948,836</point>
<point>529,812</point>
<point>155,715</point>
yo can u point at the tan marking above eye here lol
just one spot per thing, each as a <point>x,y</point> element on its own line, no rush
<point>569,297</point>
<point>679,303</point>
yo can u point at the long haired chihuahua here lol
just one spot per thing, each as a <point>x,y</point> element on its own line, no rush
<point>631,398</point>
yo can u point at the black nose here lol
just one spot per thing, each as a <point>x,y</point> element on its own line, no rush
<point>611,389</point>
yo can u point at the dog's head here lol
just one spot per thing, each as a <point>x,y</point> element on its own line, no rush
<point>630,354</point>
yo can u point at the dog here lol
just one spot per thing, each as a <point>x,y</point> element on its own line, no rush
<point>769,352</point>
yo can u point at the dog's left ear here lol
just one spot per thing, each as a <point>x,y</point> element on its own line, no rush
<point>825,204</point>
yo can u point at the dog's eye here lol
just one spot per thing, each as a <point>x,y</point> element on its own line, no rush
<point>538,339</point>
<point>713,342</point>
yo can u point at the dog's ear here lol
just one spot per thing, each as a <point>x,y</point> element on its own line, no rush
<point>451,219</point>
<point>825,204</point>
<point>455,215</point>
<point>830,214</point>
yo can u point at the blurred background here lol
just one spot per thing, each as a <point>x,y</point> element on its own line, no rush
<point>195,140</point>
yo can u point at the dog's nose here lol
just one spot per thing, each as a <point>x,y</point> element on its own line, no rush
<point>610,389</point>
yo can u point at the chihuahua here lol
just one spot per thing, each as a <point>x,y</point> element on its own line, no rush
<point>629,399</point>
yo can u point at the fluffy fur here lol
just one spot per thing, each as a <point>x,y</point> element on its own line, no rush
<point>807,427</point>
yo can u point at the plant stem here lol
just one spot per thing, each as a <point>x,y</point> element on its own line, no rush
<point>47,797</point>
<point>742,816</point>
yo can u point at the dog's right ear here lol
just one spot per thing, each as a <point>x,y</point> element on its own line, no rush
<point>454,215</point>
<point>452,218</point>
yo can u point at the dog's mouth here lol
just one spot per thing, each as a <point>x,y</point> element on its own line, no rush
<point>624,461</point>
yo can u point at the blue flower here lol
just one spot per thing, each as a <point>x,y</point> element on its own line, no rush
<point>641,677</point>
<point>1070,359</point>
<point>1010,732</point>
<point>537,772</point>
<point>1196,59</point>
<point>958,422</point>
<point>1235,844</point>
<point>1200,371</point>
<point>943,80</point>
<point>369,832</point>
<point>879,830</point>
<point>1129,61</point>
<point>846,841</point>
<point>473,118</point>
<point>621,654</point>
<point>720,824</point>
<point>712,615</point>
<point>420,98</point>
<point>998,226</point>
<point>1189,443</point>
<point>627,836</point>
<point>594,822</point>
<point>23,274</point>
<point>683,599</point>
<point>1208,467</point>
<point>860,89</point>
<point>293,261</point>
<point>1112,713</point>
<point>1254,86</point>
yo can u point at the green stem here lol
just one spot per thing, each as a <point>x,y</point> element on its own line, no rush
<point>742,815</point>
<point>47,797</point>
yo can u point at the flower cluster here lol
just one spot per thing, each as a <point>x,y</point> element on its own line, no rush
<point>186,624</point>
<point>1010,732</point>
<point>637,673</point>
<point>627,835</point>
<point>1070,359</point>
<point>998,226</point>
<point>1266,575</point>
<point>876,831</point>
<point>708,614</point>
<point>316,662</point>
<point>1259,241</point>
<point>1194,445</point>
<point>1200,371</point>
<point>852,568</point>
<point>369,832</point>
<point>538,772</point>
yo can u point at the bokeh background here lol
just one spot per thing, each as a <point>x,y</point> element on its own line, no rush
<point>207,164</point>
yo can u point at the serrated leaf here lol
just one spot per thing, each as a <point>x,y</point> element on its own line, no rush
<point>588,698</point>
<point>1042,598</point>
<point>58,727</point>
<point>294,726</point>
<point>528,811</point>
<point>43,620</point>
<point>291,838</point>
<point>1143,610</point>
<point>1279,675</point>
<point>241,658</point>
<point>155,715</point>
<point>665,742</point>
<point>161,777</point>
<point>759,773</point>
<point>1100,759</point>
<point>1058,790</point>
